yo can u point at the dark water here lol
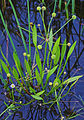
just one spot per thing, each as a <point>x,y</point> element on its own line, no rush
<point>72,32</point>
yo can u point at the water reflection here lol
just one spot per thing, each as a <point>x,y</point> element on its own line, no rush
<point>71,32</point>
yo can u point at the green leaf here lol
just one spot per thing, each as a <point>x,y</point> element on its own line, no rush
<point>17,63</point>
<point>3,80</point>
<point>15,74</point>
<point>32,90</point>
<point>55,46</point>
<point>68,55</point>
<point>50,43</point>
<point>49,74</point>
<point>40,93</point>
<point>57,55</point>
<point>71,49</point>
<point>38,78</point>
<point>56,81</point>
<point>34,35</point>
<point>72,79</point>
<point>37,97</point>
<point>62,55</point>
<point>4,67</point>
<point>38,61</point>
<point>27,67</point>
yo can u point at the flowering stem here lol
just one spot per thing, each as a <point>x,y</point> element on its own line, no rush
<point>12,94</point>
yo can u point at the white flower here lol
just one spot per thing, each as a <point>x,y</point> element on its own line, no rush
<point>12,86</point>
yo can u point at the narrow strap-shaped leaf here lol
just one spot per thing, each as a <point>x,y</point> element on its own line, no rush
<point>55,46</point>
<point>72,79</point>
<point>62,55</point>
<point>49,74</point>
<point>68,55</point>
<point>15,74</point>
<point>3,80</point>
<point>57,55</point>
<point>40,93</point>
<point>37,97</point>
<point>34,35</point>
<point>4,66</point>
<point>18,25</point>
<point>17,63</point>
<point>27,67</point>
<point>38,61</point>
<point>38,78</point>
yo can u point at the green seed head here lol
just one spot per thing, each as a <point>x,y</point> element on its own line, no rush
<point>38,8</point>
<point>50,83</point>
<point>74,17</point>
<point>8,75</point>
<point>28,55</point>
<point>53,14</point>
<point>24,54</point>
<point>39,47</point>
<point>56,84</point>
<point>43,8</point>
<point>53,56</point>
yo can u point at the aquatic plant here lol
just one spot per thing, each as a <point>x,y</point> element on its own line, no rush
<point>34,80</point>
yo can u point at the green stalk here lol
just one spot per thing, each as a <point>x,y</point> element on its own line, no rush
<point>29,30</point>
<point>7,31</point>
<point>62,26</point>
<point>55,5</point>
<point>12,95</point>
<point>19,27</point>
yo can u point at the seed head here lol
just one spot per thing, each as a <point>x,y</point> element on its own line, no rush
<point>24,54</point>
<point>43,8</point>
<point>38,8</point>
<point>74,17</point>
<point>53,56</point>
<point>31,23</point>
<point>8,75</point>
<point>53,14</point>
<point>50,83</point>
<point>38,25</point>
<point>69,44</point>
<point>39,47</point>
<point>56,84</point>
<point>28,55</point>
<point>20,102</point>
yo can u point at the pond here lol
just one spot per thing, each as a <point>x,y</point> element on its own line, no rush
<point>28,105</point>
